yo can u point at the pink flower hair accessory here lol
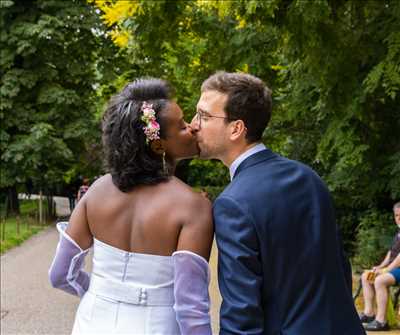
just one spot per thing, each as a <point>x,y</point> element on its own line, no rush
<point>152,127</point>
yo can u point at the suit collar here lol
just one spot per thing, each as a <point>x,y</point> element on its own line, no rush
<point>254,159</point>
<point>242,157</point>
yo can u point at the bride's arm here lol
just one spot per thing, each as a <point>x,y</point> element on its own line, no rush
<point>78,227</point>
<point>66,271</point>
<point>192,274</point>
<point>197,232</point>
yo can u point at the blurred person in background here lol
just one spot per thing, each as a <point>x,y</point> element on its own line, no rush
<point>377,281</point>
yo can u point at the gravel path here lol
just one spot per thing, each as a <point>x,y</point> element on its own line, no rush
<point>29,305</point>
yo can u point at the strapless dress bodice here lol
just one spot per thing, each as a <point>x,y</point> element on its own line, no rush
<point>129,293</point>
<point>123,266</point>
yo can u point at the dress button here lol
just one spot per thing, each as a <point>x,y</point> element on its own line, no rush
<point>143,296</point>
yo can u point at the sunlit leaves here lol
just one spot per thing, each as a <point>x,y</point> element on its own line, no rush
<point>114,16</point>
<point>117,11</point>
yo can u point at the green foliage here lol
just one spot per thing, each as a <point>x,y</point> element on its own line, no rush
<point>333,66</point>
<point>33,151</point>
<point>28,224</point>
<point>207,173</point>
<point>374,236</point>
<point>28,227</point>
<point>31,207</point>
<point>386,74</point>
<point>213,191</point>
<point>49,65</point>
<point>28,208</point>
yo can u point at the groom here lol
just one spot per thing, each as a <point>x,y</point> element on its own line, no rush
<point>281,264</point>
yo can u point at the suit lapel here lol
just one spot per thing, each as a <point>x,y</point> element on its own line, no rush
<point>254,159</point>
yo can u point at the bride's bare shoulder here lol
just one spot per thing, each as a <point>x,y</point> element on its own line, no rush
<point>188,194</point>
<point>102,184</point>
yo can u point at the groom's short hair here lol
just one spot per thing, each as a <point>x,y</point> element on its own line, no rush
<point>249,100</point>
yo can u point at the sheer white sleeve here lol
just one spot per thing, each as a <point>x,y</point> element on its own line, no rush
<point>192,301</point>
<point>66,271</point>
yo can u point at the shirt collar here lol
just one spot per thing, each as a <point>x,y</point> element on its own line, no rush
<point>243,156</point>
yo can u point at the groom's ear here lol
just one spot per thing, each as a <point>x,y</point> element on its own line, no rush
<point>238,130</point>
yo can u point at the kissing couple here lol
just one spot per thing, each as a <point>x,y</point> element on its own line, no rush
<point>281,263</point>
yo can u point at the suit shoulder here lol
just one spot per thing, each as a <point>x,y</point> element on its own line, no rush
<point>282,164</point>
<point>271,177</point>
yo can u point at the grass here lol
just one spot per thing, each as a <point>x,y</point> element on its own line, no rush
<point>16,229</point>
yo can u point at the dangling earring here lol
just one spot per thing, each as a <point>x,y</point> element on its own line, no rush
<point>158,148</point>
<point>164,163</point>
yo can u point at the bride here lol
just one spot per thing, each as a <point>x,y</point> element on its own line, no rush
<point>151,233</point>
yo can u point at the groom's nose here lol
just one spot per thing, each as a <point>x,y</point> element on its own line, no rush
<point>191,130</point>
<point>195,124</point>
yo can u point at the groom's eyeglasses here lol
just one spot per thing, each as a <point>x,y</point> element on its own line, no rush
<point>201,116</point>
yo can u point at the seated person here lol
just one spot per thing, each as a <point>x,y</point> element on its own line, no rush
<point>376,282</point>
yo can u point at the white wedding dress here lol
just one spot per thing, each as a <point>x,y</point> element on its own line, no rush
<point>129,293</point>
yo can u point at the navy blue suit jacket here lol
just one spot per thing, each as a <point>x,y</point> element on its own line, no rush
<point>281,264</point>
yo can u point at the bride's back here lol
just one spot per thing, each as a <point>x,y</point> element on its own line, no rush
<point>147,219</point>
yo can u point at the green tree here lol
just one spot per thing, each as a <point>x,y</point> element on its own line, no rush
<point>334,67</point>
<point>49,72</point>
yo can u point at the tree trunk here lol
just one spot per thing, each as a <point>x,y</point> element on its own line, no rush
<point>40,206</point>
<point>18,222</point>
<point>51,208</point>
<point>12,204</point>
<point>3,229</point>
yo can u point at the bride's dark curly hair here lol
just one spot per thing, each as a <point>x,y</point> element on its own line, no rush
<point>128,157</point>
